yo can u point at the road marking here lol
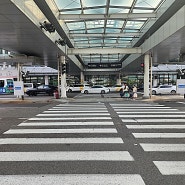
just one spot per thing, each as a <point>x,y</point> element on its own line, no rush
<point>67,156</point>
<point>134,109</point>
<point>64,123</point>
<point>71,118</point>
<point>152,120</point>
<point>163,147</point>
<point>77,114</point>
<point>72,179</point>
<point>81,108</point>
<point>54,110</point>
<point>5,141</point>
<point>171,167</point>
<point>135,105</point>
<point>159,135</point>
<point>153,112</point>
<point>81,105</point>
<point>155,126</point>
<point>153,116</point>
<point>60,131</point>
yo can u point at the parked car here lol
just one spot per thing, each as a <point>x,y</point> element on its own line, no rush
<point>96,89</point>
<point>28,86</point>
<point>164,89</point>
<point>76,87</point>
<point>116,88</point>
<point>41,89</point>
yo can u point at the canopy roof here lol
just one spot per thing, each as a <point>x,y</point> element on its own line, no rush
<point>106,24</point>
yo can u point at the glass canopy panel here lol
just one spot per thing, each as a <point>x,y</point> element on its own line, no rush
<point>94,24</point>
<point>95,11</point>
<point>148,3</point>
<point>76,25</point>
<point>67,4</point>
<point>127,3</point>
<point>115,23</point>
<point>92,3</point>
<point>134,25</point>
<point>97,30</point>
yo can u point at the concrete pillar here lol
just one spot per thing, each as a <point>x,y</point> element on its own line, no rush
<point>46,80</point>
<point>63,79</point>
<point>118,81</point>
<point>81,77</point>
<point>146,75</point>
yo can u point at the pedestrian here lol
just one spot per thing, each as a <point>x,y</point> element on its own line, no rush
<point>121,93</point>
<point>134,90</point>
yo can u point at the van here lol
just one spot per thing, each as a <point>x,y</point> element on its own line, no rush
<point>77,87</point>
<point>28,86</point>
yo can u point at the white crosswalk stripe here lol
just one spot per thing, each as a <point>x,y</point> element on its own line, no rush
<point>159,124</point>
<point>71,179</point>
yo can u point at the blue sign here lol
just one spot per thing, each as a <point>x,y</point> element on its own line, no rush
<point>17,88</point>
<point>181,86</point>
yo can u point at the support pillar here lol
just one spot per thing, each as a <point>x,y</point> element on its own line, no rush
<point>146,75</point>
<point>118,81</point>
<point>63,79</point>
<point>46,78</point>
<point>81,77</point>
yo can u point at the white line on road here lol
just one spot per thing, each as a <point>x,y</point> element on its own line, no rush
<point>65,123</point>
<point>163,147</point>
<point>67,156</point>
<point>171,167</point>
<point>155,126</point>
<point>159,135</point>
<point>153,116</point>
<point>152,112</point>
<point>5,141</point>
<point>135,105</point>
<point>77,114</point>
<point>152,120</point>
<point>72,179</point>
<point>81,105</point>
<point>60,131</point>
<point>70,118</point>
<point>142,109</point>
<point>94,111</point>
<point>81,108</point>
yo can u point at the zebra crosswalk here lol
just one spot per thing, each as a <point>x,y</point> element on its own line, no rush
<point>83,134</point>
<point>95,143</point>
<point>160,131</point>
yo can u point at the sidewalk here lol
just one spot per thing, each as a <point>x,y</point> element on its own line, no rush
<point>87,98</point>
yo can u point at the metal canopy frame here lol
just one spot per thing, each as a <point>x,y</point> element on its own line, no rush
<point>106,24</point>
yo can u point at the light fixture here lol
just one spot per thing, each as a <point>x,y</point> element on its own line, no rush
<point>61,42</point>
<point>47,26</point>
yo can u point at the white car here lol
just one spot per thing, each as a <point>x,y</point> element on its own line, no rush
<point>96,89</point>
<point>164,89</point>
<point>116,88</point>
<point>76,87</point>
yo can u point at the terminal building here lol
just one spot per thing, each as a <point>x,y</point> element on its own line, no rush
<point>100,42</point>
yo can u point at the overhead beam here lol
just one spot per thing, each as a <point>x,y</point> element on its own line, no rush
<point>90,45</point>
<point>72,51</point>
<point>104,16</point>
<point>129,34</point>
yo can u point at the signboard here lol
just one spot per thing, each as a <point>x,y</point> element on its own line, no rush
<point>18,88</point>
<point>105,65</point>
<point>181,86</point>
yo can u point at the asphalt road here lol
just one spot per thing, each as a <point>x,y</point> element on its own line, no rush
<point>92,139</point>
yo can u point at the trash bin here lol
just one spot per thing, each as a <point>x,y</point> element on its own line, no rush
<point>56,95</point>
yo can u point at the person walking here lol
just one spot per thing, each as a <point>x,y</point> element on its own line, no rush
<point>134,90</point>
